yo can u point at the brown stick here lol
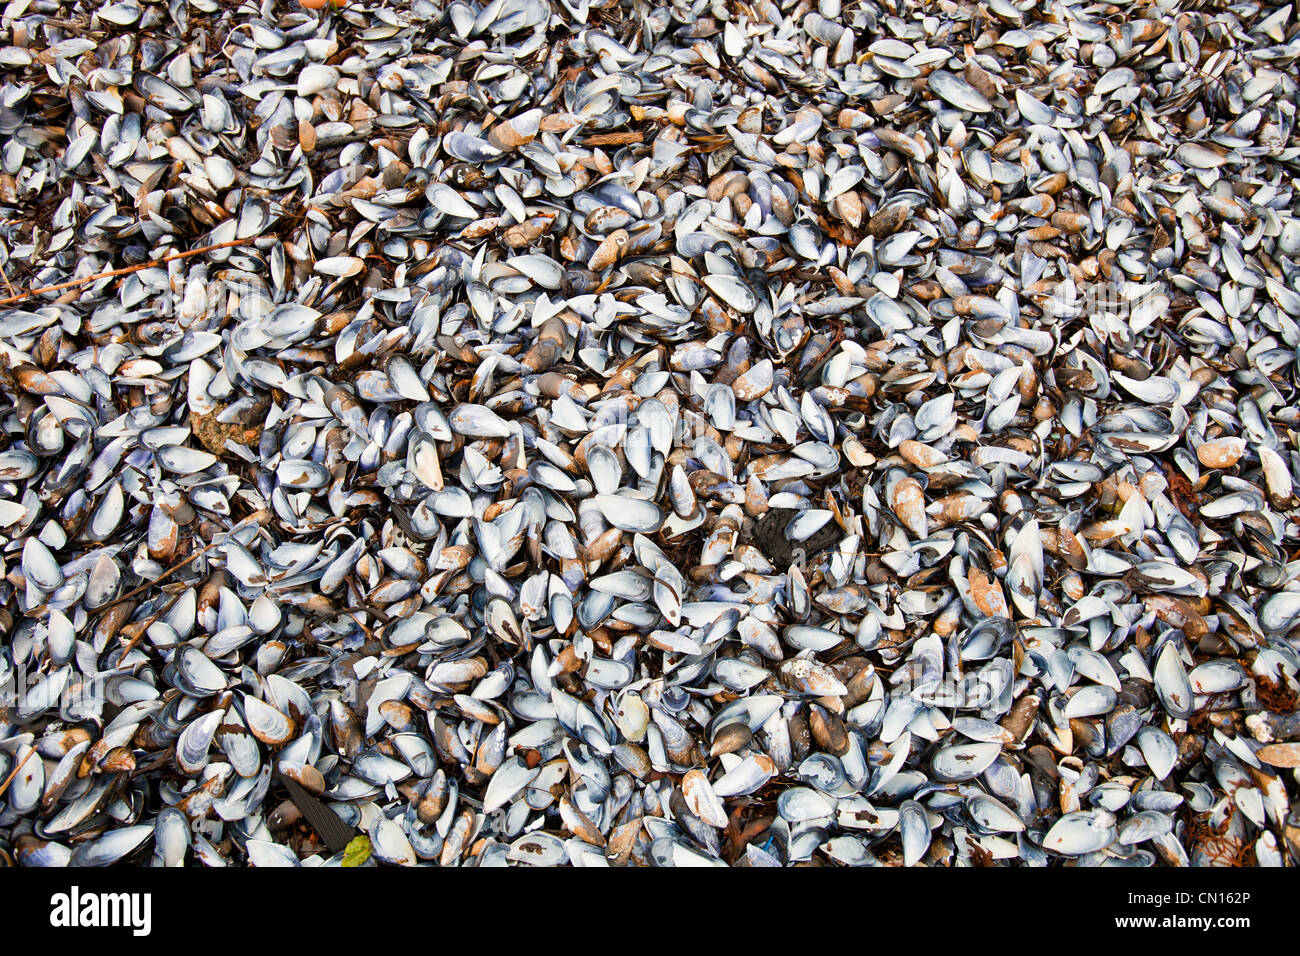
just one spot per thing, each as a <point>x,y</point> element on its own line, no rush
<point>10,779</point>
<point>122,272</point>
<point>162,577</point>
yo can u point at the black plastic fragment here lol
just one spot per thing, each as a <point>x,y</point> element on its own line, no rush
<point>328,826</point>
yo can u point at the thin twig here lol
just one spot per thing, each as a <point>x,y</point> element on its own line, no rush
<point>10,779</point>
<point>166,574</point>
<point>145,625</point>
<point>122,272</point>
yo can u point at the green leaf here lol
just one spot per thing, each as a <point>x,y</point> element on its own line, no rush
<point>357,852</point>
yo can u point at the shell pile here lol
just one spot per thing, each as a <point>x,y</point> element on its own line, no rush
<point>600,433</point>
